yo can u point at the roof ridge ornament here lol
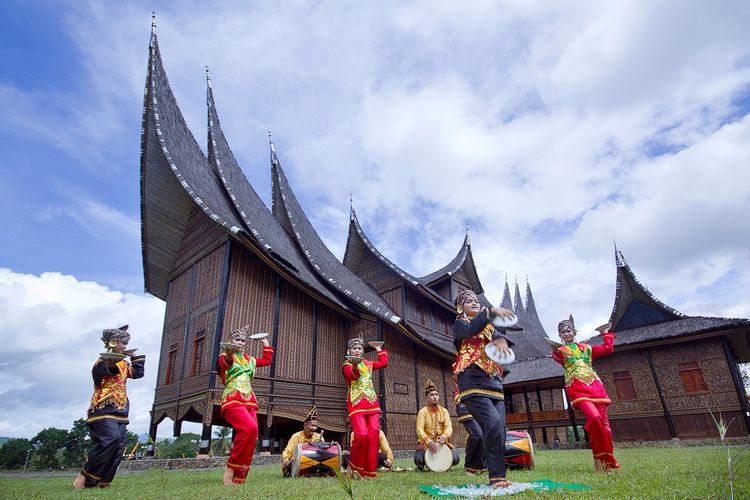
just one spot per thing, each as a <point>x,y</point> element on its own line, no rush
<point>352,216</point>
<point>208,77</point>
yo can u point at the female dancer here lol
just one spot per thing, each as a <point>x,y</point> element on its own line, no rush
<point>238,403</point>
<point>363,407</point>
<point>108,412</point>
<point>585,390</point>
<point>480,387</point>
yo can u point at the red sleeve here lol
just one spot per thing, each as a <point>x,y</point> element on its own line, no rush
<point>557,356</point>
<point>597,351</point>
<point>267,357</point>
<point>351,373</point>
<point>382,361</point>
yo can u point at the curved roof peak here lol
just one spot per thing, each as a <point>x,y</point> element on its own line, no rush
<point>635,305</point>
<point>288,210</point>
<point>464,254</point>
<point>354,221</point>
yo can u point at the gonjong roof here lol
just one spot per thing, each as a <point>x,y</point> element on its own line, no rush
<point>638,317</point>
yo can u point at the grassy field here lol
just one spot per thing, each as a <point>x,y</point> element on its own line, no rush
<point>697,472</point>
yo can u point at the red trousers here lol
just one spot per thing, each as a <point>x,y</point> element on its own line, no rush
<point>363,457</point>
<point>600,435</point>
<point>245,423</point>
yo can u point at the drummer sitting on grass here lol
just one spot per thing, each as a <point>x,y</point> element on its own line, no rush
<point>434,427</point>
<point>306,435</point>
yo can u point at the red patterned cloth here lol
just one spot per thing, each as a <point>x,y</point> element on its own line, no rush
<point>587,394</point>
<point>364,414</point>
<point>239,406</point>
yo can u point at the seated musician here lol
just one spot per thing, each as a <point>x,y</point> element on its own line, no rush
<point>433,427</point>
<point>385,455</point>
<point>306,435</point>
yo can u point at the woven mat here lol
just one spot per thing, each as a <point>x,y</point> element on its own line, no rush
<point>484,490</point>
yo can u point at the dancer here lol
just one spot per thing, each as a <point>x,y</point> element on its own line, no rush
<point>108,412</point>
<point>363,407</point>
<point>474,461</point>
<point>238,403</point>
<point>434,427</point>
<point>480,387</point>
<point>308,434</point>
<point>585,390</point>
<point>385,454</point>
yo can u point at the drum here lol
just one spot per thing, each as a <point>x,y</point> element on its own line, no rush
<point>519,451</point>
<point>316,459</point>
<point>439,461</point>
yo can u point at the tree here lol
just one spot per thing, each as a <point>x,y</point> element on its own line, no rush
<point>76,444</point>
<point>49,440</point>
<point>223,436</point>
<point>185,446</point>
<point>131,440</point>
<point>13,453</point>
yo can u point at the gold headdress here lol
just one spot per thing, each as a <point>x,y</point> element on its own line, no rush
<point>311,415</point>
<point>566,323</point>
<point>355,341</point>
<point>429,386</point>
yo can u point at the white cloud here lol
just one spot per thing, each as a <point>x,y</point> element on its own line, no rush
<point>553,131</point>
<point>50,327</point>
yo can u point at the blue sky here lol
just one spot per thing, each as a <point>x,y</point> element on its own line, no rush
<point>554,130</point>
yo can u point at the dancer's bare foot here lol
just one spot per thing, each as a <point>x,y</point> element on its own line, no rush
<point>228,476</point>
<point>503,483</point>
<point>79,482</point>
<point>598,465</point>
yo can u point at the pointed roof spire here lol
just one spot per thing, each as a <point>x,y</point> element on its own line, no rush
<point>351,206</point>
<point>208,77</point>
<point>634,305</point>
<point>274,158</point>
<point>506,302</point>
<point>468,237</point>
<point>619,258</point>
<point>518,307</point>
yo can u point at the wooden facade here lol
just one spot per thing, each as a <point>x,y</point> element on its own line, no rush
<point>221,260</point>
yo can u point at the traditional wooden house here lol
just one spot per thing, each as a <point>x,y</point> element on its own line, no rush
<point>671,371</point>
<point>221,260</point>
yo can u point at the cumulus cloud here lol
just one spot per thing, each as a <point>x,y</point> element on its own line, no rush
<point>552,130</point>
<point>50,329</point>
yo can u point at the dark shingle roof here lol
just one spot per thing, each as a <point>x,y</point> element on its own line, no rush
<point>262,226</point>
<point>638,317</point>
<point>357,243</point>
<point>683,327</point>
<point>288,211</point>
<point>464,259</point>
<point>634,305</point>
<point>530,342</point>
<point>167,144</point>
<point>532,369</point>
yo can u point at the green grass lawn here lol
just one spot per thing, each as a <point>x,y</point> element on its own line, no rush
<point>695,472</point>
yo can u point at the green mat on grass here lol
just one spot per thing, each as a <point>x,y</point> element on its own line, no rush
<point>478,490</point>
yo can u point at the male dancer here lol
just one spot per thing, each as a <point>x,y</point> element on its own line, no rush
<point>109,408</point>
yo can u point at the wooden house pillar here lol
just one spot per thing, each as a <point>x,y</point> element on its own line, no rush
<point>381,386</point>
<point>528,414</point>
<point>205,445</point>
<point>737,380</point>
<point>667,415</point>
<point>544,429</point>
<point>177,428</point>
<point>153,426</point>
